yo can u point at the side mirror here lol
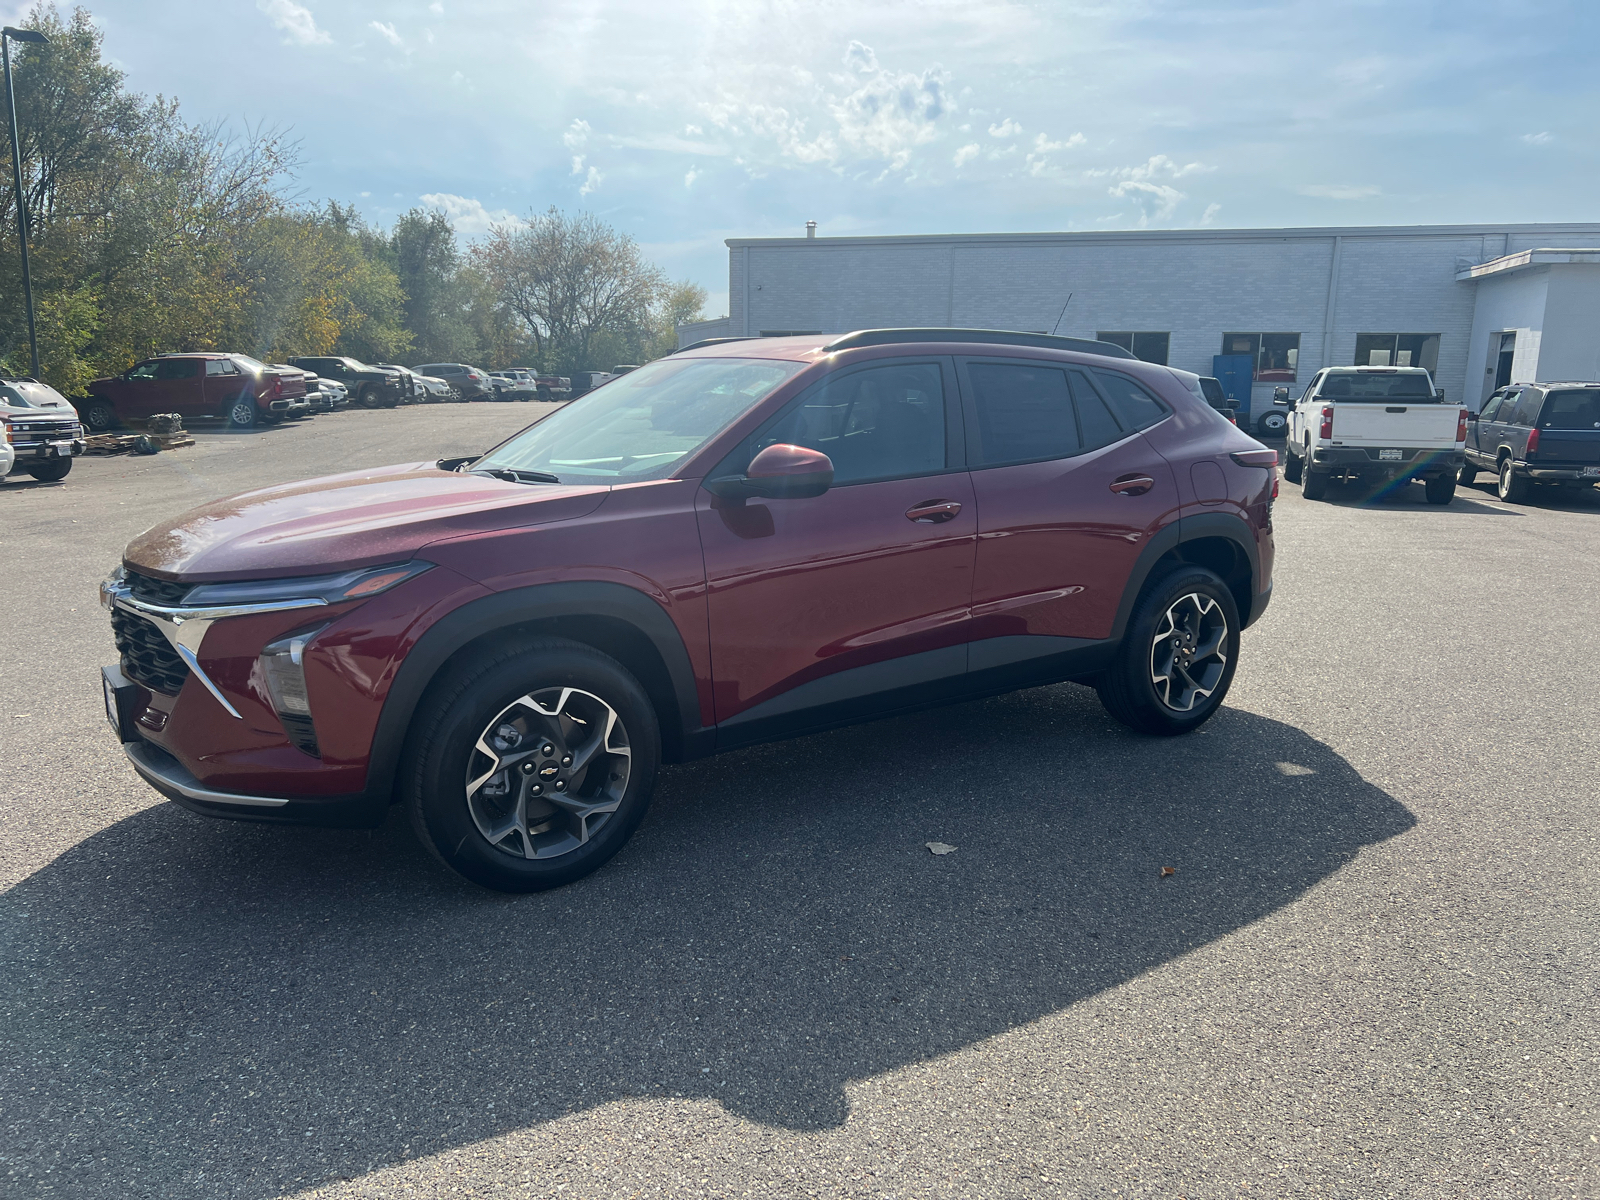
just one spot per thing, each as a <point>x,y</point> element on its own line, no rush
<point>1280,397</point>
<point>781,472</point>
<point>1439,395</point>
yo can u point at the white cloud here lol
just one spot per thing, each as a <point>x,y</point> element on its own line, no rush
<point>1538,139</point>
<point>364,195</point>
<point>1340,191</point>
<point>388,32</point>
<point>690,176</point>
<point>591,181</point>
<point>1158,166</point>
<point>1043,145</point>
<point>295,20</point>
<point>469,216</point>
<point>1006,129</point>
<point>692,131</point>
<point>577,164</point>
<point>860,57</point>
<point>891,113</point>
<point>1155,201</point>
<point>436,8</point>
<point>576,135</point>
<point>669,143</point>
<point>966,154</point>
<point>1210,214</point>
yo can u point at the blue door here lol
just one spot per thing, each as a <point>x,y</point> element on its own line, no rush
<point>1236,372</point>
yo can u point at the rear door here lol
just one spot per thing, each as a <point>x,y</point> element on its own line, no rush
<point>1518,422</point>
<point>1068,492</point>
<point>1569,428</point>
<point>223,384</point>
<point>835,600</point>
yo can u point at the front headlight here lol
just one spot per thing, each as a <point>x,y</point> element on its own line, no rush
<point>362,584</point>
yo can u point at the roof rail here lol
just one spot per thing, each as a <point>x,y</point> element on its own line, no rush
<point>714,342</point>
<point>998,337</point>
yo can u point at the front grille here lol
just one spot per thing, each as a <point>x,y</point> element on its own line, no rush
<point>45,431</point>
<point>147,657</point>
<point>157,591</point>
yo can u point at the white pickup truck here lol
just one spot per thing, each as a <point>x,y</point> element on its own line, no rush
<point>1380,424</point>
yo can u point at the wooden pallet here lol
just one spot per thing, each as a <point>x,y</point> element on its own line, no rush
<point>103,444</point>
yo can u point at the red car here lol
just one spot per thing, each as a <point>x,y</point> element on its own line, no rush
<point>741,542</point>
<point>230,387</point>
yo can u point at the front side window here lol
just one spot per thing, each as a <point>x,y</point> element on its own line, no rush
<point>643,425</point>
<point>1151,347</point>
<point>885,422</point>
<point>1576,409</point>
<point>1493,407</point>
<point>145,370</point>
<point>1276,355</point>
<point>1397,350</point>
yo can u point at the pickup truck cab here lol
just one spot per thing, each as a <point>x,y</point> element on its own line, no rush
<point>1383,424</point>
<point>1528,433</point>
<point>233,387</point>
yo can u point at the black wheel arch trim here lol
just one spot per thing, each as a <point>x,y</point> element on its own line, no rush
<point>550,605</point>
<point>1192,529</point>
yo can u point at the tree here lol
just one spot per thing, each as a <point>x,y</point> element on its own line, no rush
<point>566,280</point>
<point>439,301</point>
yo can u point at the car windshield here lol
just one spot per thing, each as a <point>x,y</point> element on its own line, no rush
<point>642,425</point>
<point>1571,410</point>
<point>1365,387</point>
<point>249,364</point>
<point>22,394</point>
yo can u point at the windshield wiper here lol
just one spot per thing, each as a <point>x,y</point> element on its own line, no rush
<point>513,475</point>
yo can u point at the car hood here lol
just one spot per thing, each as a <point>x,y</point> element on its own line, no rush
<point>340,522</point>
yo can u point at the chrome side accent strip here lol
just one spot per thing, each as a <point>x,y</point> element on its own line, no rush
<point>175,777</point>
<point>185,628</point>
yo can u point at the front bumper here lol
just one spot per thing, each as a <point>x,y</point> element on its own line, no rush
<point>33,454</point>
<point>164,773</point>
<point>1361,460</point>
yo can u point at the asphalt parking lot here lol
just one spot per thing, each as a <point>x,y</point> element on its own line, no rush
<point>1374,972</point>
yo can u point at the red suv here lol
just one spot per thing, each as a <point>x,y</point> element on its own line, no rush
<point>745,541</point>
<point>232,387</point>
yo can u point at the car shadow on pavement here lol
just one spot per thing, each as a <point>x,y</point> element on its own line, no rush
<point>208,1008</point>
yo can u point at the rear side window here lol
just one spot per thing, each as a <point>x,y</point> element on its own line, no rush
<point>1095,422</point>
<point>1571,410</point>
<point>1369,388</point>
<point>1024,413</point>
<point>177,368</point>
<point>1134,407</point>
<point>879,423</point>
<point>1527,409</point>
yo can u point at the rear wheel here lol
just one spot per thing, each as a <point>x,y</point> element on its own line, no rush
<point>1512,488</point>
<point>1293,465</point>
<point>1178,655</point>
<point>1313,484</point>
<point>243,413</point>
<point>534,764</point>
<point>1468,475</point>
<point>1440,489</point>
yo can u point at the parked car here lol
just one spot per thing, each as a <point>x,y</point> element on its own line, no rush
<point>42,433</point>
<point>412,382</point>
<point>308,383</point>
<point>469,382</point>
<point>1381,424</point>
<point>1536,433</point>
<point>230,387</point>
<point>507,386</point>
<point>326,395</point>
<point>1211,389</point>
<point>372,387</point>
<point>553,387</point>
<point>509,644</point>
<point>435,390</point>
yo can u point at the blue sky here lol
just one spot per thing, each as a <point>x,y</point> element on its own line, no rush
<point>686,123</point>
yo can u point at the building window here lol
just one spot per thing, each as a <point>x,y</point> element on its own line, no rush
<point>1152,347</point>
<point>1276,355</point>
<point>1397,350</point>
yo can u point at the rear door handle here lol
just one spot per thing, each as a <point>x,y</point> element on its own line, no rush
<point>1132,485</point>
<point>932,512</point>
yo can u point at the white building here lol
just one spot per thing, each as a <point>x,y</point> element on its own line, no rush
<point>1475,303</point>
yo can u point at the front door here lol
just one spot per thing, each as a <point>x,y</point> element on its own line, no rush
<point>176,387</point>
<point>1068,494</point>
<point>1481,433</point>
<point>857,599</point>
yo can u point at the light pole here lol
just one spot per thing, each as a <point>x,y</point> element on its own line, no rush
<point>7,36</point>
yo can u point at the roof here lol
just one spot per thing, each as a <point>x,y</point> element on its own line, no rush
<point>1523,259</point>
<point>1374,370</point>
<point>1580,228</point>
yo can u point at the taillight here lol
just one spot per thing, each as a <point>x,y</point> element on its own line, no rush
<point>1461,426</point>
<point>1274,483</point>
<point>1533,443</point>
<point>277,386</point>
<point>1327,422</point>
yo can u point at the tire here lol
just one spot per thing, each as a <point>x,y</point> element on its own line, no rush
<point>512,699</point>
<point>1165,681</point>
<point>243,413</point>
<point>1511,487</point>
<point>1314,484</point>
<point>1294,466</point>
<point>1272,424</point>
<point>52,472</point>
<point>544,394</point>
<point>368,397</point>
<point>1468,475</point>
<point>1440,489</point>
<point>99,416</point>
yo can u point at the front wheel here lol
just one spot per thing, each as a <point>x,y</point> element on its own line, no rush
<point>369,397</point>
<point>1178,655</point>
<point>52,472</point>
<point>1294,466</point>
<point>533,764</point>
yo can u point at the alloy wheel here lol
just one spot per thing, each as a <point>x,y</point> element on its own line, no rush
<point>1188,654</point>
<point>548,772</point>
<point>243,413</point>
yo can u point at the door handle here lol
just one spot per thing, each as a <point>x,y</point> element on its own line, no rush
<point>932,512</point>
<point>1132,485</point>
